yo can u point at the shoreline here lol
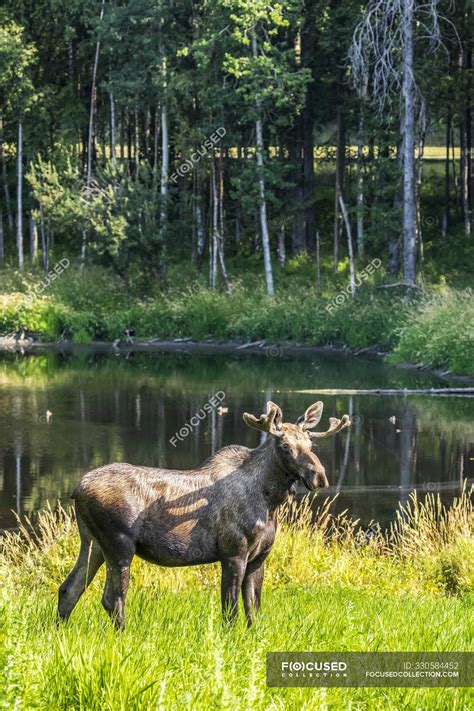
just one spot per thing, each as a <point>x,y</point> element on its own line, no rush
<point>216,346</point>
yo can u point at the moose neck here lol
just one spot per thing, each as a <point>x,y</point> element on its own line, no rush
<point>272,479</point>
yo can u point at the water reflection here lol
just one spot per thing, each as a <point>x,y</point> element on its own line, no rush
<point>104,409</point>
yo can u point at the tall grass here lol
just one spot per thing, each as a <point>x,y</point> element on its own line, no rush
<point>442,333</point>
<point>329,587</point>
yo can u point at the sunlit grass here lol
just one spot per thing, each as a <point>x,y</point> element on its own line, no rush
<point>327,588</point>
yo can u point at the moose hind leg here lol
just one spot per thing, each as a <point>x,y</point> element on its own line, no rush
<point>233,570</point>
<point>88,563</point>
<point>115,591</point>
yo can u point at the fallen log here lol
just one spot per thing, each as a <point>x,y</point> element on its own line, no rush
<point>385,391</point>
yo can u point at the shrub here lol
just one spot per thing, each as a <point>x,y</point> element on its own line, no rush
<point>441,333</point>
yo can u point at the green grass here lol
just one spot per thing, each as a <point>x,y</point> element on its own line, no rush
<point>434,330</point>
<point>441,333</point>
<point>411,589</point>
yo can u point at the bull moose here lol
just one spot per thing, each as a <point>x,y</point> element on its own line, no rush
<point>225,510</point>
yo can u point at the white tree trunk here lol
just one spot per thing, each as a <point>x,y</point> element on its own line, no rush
<point>215,228</point>
<point>33,239</point>
<point>261,185</point>
<point>44,240</point>
<point>409,208</point>
<point>337,191</point>
<point>19,218</point>
<point>165,163</point>
<point>318,264</point>
<point>199,227</point>
<point>113,140</point>
<point>263,210</point>
<point>2,242</point>
<point>447,181</point>
<point>360,184</point>
<point>11,222</point>
<point>90,133</point>
<point>155,146</point>
<point>350,247</point>
<point>221,233</point>
<point>281,246</point>
<point>136,145</point>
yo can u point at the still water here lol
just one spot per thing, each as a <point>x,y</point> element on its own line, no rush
<point>61,415</point>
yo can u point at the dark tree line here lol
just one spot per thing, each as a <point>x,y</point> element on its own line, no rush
<point>324,113</point>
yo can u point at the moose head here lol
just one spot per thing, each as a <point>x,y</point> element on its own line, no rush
<point>293,443</point>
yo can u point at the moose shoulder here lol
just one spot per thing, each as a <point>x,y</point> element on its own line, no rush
<point>223,511</point>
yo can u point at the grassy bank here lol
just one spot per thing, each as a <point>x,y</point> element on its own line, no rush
<point>436,329</point>
<point>409,590</point>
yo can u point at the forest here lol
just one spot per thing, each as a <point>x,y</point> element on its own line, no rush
<point>193,161</point>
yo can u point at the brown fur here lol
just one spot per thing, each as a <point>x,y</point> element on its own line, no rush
<point>223,511</point>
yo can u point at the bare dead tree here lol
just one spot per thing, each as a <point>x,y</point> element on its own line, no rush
<point>381,56</point>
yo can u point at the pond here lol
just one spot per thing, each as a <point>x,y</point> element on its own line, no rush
<point>64,414</point>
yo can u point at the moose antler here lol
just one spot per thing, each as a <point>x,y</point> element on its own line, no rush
<point>335,426</point>
<point>271,422</point>
<point>311,417</point>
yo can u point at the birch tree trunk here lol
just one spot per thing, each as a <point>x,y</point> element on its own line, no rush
<point>6,189</point>
<point>350,247</point>
<point>263,209</point>
<point>156,138</point>
<point>165,160</point>
<point>2,241</point>
<point>215,217</point>
<point>122,134</point>
<point>136,149</point>
<point>360,177</point>
<point>466,123</point>
<point>281,246</point>
<point>113,140</point>
<point>318,264</point>
<point>408,90</point>
<point>340,151</point>
<point>90,133</point>
<point>261,185</point>
<point>447,181</point>
<point>19,217</point>
<point>217,242</point>
<point>221,234</point>
<point>44,240</point>
<point>465,178</point>
<point>33,239</point>
<point>198,249</point>
<point>419,180</point>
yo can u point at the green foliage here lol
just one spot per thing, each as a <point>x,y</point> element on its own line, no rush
<point>16,58</point>
<point>441,333</point>
<point>96,305</point>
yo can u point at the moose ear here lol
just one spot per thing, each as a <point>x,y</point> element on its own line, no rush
<point>311,417</point>
<point>271,422</point>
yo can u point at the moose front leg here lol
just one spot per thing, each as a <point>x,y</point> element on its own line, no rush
<point>252,587</point>
<point>233,571</point>
<point>115,591</point>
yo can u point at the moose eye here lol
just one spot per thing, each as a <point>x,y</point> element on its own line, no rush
<point>285,446</point>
